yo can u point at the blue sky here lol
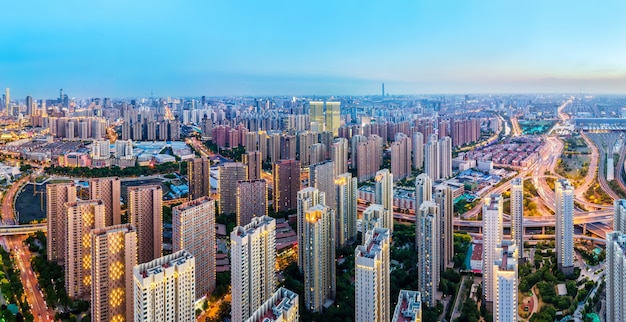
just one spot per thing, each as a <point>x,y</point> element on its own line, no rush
<point>186,48</point>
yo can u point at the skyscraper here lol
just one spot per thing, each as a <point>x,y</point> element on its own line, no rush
<point>615,281</point>
<point>333,117</point>
<point>306,198</point>
<point>108,190</point>
<point>431,161</point>
<point>505,282</point>
<point>517,214</point>
<point>423,192</point>
<point>316,115</point>
<point>164,289</point>
<point>619,215</point>
<point>7,101</point>
<point>193,230</point>
<point>445,157</point>
<point>346,208</point>
<point>319,257</point>
<point>492,238</point>
<point>401,157</point>
<point>409,307</point>
<point>113,256</point>
<point>229,174</point>
<point>444,200</point>
<point>146,214</point>
<point>322,177</point>
<point>57,195</point>
<point>339,155</point>
<point>286,176</point>
<point>282,306</point>
<point>368,158</point>
<point>564,217</point>
<point>253,266</point>
<point>198,173</point>
<point>428,270</point>
<point>384,196</point>
<point>251,200</point>
<point>82,217</point>
<point>418,150</point>
<point>253,161</point>
<point>372,281</point>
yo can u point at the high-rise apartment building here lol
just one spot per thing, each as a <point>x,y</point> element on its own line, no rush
<point>428,270</point>
<point>615,281</point>
<point>253,266</point>
<point>164,289</point>
<point>306,198</point>
<point>113,256</point>
<point>346,208</point>
<point>283,306</point>
<point>505,282</point>
<point>444,200</point>
<point>372,280</point>
<point>199,171</point>
<point>373,217</point>
<point>339,155</point>
<point>253,161</point>
<point>319,257</point>
<point>229,174</point>
<point>423,192</point>
<point>57,195</point>
<point>82,217</point>
<point>492,238</point>
<point>619,215</point>
<point>368,158</point>
<point>418,150</point>
<point>333,117</point>
<point>408,308</point>
<point>401,157</point>
<point>193,230</point>
<point>517,214</point>
<point>108,190</point>
<point>305,141</point>
<point>431,161</point>
<point>322,177</point>
<point>564,217</point>
<point>383,195</point>
<point>146,214</point>
<point>251,200</point>
<point>286,176</point>
<point>317,153</point>
<point>445,157</point>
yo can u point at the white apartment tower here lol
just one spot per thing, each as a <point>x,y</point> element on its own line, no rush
<point>322,177</point>
<point>423,192</point>
<point>443,199</point>
<point>564,199</point>
<point>619,215</point>
<point>384,196</point>
<point>283,306</point>
<point>492,238</point>
<point>409,307</point>
<point>253,266</point>
<point>445,157</point>
<point>339,155</point>
<point>616,276</point>
<point>418,150</point>
<point>431,161</point>
<point>517,214</point>
<point>346,208</point>
<point>307,198</point>
<point>164,289</point>
<point>505,282</point>
<point>428,254</point>
<point>372,281</point>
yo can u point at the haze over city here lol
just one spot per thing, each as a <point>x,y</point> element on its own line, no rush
<point>218,48</point>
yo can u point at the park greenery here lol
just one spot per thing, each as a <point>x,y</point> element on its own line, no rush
<point>115,171</point>
<point>462,243</point>
<point>597,195</point>
<point>234,153</point>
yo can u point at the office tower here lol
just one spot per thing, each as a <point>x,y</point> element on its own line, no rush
<point>145,212</point>
<point>384,196</point>
<point>253,266</point>
<point>113,256</point>
<point>564,206</point>
<point>164,289</point>
<point>369,158</point>
<point>339,155</point>
<point>319,257</point>
<point>322,177</point>
<point>252,160</point>
<point>418,150</point>
<point>346,208</point>
<point>492,238</point>
<point>372,285</point>
<point>108,190</point>
<point>401,157</point>
<point>444,200</point>
<point>229,174</point>
<point>333,114</point>
<point>431,161</point>
<point>615,279</point>
<point>57,195</point>
<point>517,214</point>
<point>82,217</point>
<point>317,153</point>
<point>316,115</point>
<point>505,282</point>
<point>193,230</point>
<point>619,215</point>
<point>408,308</point>
<point>286,177</point>
<point>283,306</point>
<point>428,270</point>
<point>445,157</point>
<point>251,200</point>
<point>7,101</point>
<point>306,198</point>
<point>198,174</point>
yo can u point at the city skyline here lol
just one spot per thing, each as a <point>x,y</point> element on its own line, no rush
<point>221,49</point>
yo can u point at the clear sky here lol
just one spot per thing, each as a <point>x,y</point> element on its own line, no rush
<point>129,48</point>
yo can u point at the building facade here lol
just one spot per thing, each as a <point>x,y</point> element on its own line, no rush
<point>372,281</point>
<point>229,174</point>
<point>109,191</point>
<point>286,176</point>
<point>564,217</point>
<point>146,214</point>
<point>57,195</point>
<point>251,200</point>
<point>428,270</point>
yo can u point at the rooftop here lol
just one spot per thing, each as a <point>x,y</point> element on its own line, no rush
<point>409,307</point>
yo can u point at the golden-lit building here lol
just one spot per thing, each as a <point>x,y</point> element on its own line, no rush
<point>318,262</point>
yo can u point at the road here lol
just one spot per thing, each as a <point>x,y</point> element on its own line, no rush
<point>8,210</point>
<point>34,296</point>
<point>597,144</point>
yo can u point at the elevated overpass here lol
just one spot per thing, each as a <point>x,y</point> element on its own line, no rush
<point>12,230</point>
